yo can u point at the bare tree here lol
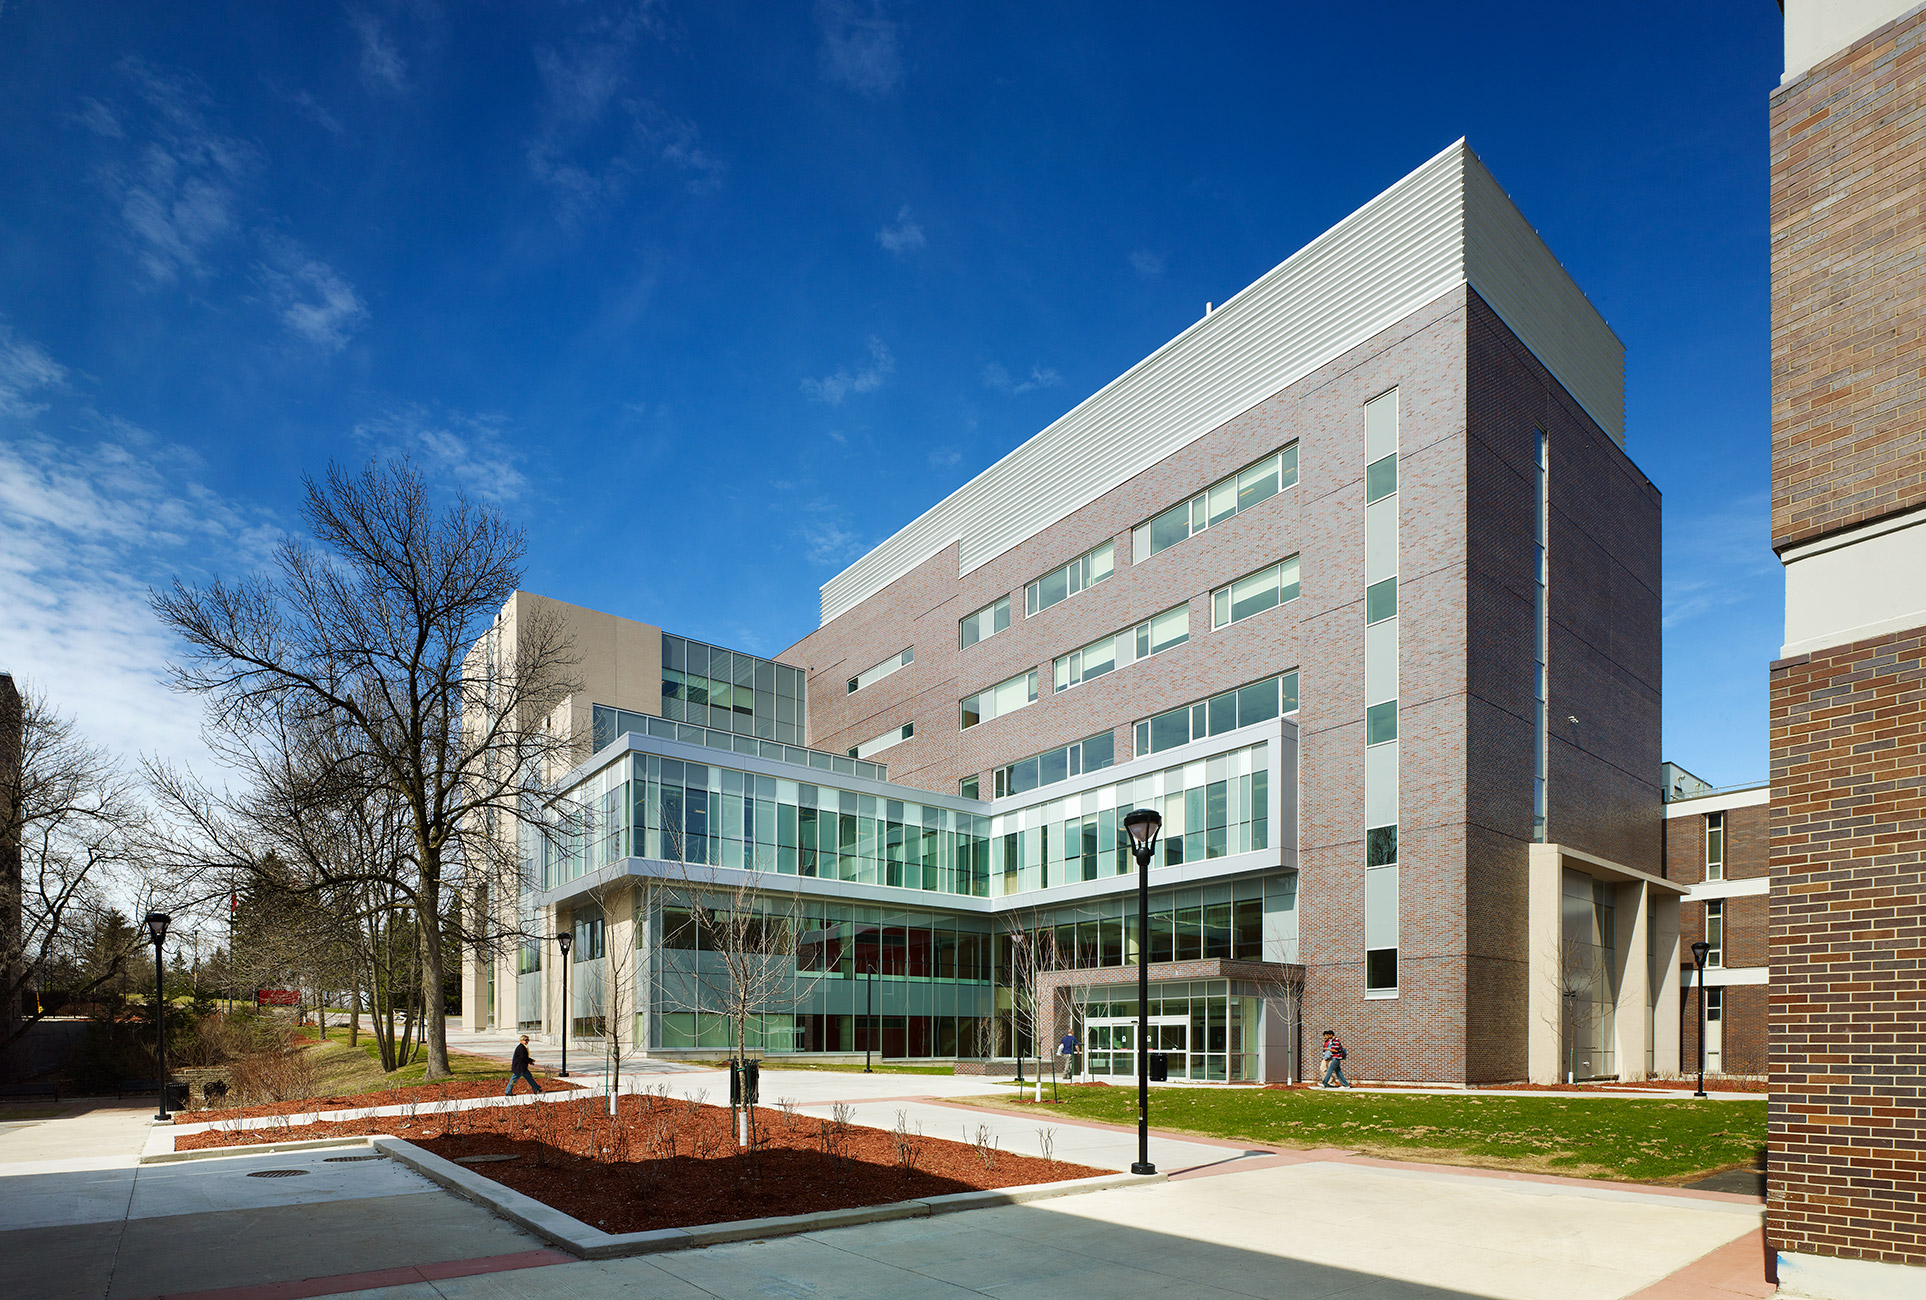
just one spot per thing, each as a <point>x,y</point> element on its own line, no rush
<point>360,645</point>
<point>71,830</point>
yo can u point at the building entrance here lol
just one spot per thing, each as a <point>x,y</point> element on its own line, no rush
<point>1111,1046</point>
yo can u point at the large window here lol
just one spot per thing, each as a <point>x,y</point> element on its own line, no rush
<point>1715,933</point>
<point>1216,808</point>
<point>1153,636</point>
<point>876,744</point>
<point>1715,846</point>
<point>870,676</point>
<point>1220,501</point>
<point>1220,713</point>
<point>1265,589</point>
<point>730,691</point>
<point>983,624</point>
<point>1073,759</point>
<point>1005,697</point>
<point>1057,586</point>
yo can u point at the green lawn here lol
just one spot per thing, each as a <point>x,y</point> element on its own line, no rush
<point>777,1063</point>
<point>1628,1140</point>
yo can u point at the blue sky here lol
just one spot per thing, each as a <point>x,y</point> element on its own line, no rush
<point>714,297</point>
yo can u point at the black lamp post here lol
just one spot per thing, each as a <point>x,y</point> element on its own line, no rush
<point>157,933</point>
<point>1699,950</point>
<point>567,939</point>
<point>1143,826</point>
<point>869,1007</point>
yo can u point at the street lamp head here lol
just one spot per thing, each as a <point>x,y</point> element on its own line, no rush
<point>1143,825</point>
<point>1699,950</point>
<point>157,927</point>
<point>567,940</point>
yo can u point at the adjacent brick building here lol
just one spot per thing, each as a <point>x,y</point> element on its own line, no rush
<point>1716,845</point>
<point>1848,910</point>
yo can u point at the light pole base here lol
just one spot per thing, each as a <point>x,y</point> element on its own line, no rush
<point>1142,1167</point>
<point>1698,1094</point>
<point>163,1119</point>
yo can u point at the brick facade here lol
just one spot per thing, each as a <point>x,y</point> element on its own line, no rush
<point>1470,396</point>
<point>1848,933</point>
<point>1848,913</point>
<point>1848,403</point>
<point>1746,1006</point>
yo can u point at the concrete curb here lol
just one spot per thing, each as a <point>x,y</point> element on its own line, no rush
<point>171,1156</point>
<point>578,1238</point>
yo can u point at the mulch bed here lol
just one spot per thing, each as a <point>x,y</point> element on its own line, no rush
<point>670,1163</point>
<point>421,1094</point>
<point>1682,1087</point>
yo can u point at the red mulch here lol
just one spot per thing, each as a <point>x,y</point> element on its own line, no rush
<point>1682,1087</point>
<point>422,1094</point>
<point>669,1164</point>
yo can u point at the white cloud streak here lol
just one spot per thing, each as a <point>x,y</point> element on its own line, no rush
<point>862,46</point>
<point>1146,264</point>
<point>864,378</point>
<point>468,452</point>
<point>88,521</point>
<point>997,377</point>
<point>902,236</point>
<point>383,70</point>
<point>314,301</point>
<point>1718,561</point>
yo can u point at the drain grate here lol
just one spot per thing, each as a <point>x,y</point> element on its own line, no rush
<point>278,1173</point>
<point>347,1160</point>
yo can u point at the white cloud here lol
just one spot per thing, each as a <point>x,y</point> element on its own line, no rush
<point>826,535</point>
<point>862,47</point>
<point>865,378</point>
<point>99,118</point>
<point>469,452</point>
<point>313,300</point>
<point>598,132</point>
<point>178,183</point>
<point>1719,560</point>
<point>944,457</point>
<point>904,235</point>
<point>1146,264</point>
<point>997,377</point>
<point>91,516</point>
<point>383,70</point>
<point>25,369</point>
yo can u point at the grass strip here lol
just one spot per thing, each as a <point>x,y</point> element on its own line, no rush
<point>1628,1139</point>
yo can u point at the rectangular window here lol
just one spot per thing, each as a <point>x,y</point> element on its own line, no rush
<point>1381,478</point>
<point>1381,723</point>
<point>1243,707</point>
<point>1715,846</point>
<point>1715,933</point>
<point>1541,629</point>
<point>1265,589</point>
<point>1223,499</point>
<point>1121,649</point>
<point>876,744</point>
<point>967,787</point>
<point>983,624</point>
<point>1091,754</point>
<point>1714,1005</point>
<point>1081,574</point>
<point>870,676</point>
<point>1381,601</point>
<point>1005,697</point>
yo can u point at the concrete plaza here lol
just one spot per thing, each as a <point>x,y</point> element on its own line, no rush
<point>81,1218</point>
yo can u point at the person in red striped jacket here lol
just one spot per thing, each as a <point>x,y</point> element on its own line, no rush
<point>1334,1061</point>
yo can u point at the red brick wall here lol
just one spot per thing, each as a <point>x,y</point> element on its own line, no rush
<point>1742,1040</point>
<point>1848,406</point>
<point>1848,934</point>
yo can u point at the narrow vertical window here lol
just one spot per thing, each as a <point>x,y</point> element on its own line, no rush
<point>1381,762</point>
<point>1715,846</point>
<point>1715,933</point>
<point>1541,632</point>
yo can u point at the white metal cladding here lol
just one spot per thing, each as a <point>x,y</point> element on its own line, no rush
<point>1403,249</point>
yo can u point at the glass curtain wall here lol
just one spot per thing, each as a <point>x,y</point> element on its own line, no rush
<point>1212,808</point>
<point>1207,1028</point>
<point>731,691</point>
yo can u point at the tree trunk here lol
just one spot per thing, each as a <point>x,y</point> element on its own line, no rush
<point>354,1008</point>
<point>434,1016</point>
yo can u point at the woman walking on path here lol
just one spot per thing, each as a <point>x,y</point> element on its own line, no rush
<point>1334,1061</point>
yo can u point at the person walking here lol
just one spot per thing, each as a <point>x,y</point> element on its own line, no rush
<point>1067,1049</point>
<point>518,1068</point>
<point>1334,1061</point>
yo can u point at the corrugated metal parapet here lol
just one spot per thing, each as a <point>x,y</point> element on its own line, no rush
<point>1445,224</point>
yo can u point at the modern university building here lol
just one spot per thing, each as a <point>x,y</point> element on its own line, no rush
<point>1352,580</point>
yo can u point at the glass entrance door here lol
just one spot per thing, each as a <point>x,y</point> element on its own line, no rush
<point>1111,1046</point>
